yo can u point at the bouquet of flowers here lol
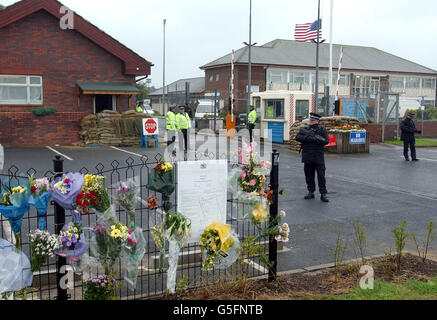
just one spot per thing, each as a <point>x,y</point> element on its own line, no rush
<point>42,246</point>
<point>93,194</point>
<point>102,287</point>
<point>126,197</point>
<point>73,243</point>
<point>174,227</point>
<point>216,240</point>
<point>347,128</point>
<point>161,179</point>
<point>110,242</point>
<point>40,197</point>
<point>66,188</point>
<point>248,181</point>
<point>13,205</point>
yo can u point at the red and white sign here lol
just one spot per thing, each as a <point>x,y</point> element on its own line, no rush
<point>150,126</point>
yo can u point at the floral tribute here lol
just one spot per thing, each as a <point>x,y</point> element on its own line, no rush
<point>66,188</point>
<point>161,179</point>
<point>93,195</point>
<point>72,240</point>
<point>13,205</point>
<point>215,241</point>
<point>347,128</point>
<point>163,167</point>
<point>110,243</point>
<point>42,246</point>
<point>126,197</point>
<point>173,227</point>
<point>40,197</point>
<point>101,287</point>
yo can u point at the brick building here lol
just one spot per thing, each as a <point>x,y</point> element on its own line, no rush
<point>77,71</point>
<point>290,65</point>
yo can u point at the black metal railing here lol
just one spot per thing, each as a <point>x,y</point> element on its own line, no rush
<point>150,282</point>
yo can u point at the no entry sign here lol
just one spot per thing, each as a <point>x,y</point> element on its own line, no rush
<point>150,126</point>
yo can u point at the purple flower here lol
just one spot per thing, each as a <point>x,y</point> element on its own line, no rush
<point>99,229</point>
<point>74,240</point>
<point>68,243</point>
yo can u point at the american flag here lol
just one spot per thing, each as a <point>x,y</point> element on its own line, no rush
<point>307,31</point>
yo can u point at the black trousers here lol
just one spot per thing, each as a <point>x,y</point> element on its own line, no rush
<point>310,169</point>
<point>251,127</point>
<point>412,144</point>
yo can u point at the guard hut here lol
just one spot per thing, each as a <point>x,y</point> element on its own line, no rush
<point>279,110</point>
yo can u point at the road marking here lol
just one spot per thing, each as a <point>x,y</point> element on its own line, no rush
<point>133,153</point>
<point>61,154</point>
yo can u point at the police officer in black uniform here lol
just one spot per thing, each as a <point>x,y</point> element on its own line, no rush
<point>313,139</point>
<point>408,130</point>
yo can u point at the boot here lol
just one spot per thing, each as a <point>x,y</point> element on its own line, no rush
<point>407,159</point>
<point>310,195</point>
<point>323,197</point>
<point>415,159</point>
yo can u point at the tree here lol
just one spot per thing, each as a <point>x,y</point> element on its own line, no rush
<point>144,88</point>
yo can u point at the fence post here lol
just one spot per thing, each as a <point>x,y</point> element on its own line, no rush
<point>274,186</point>
<point>58,166</point>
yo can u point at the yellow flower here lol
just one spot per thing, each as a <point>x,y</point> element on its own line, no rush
<point>260,213</point>
<point>115,233</point>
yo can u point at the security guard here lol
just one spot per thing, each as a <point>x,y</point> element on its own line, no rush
<point>170,125</point>
<point>313,139</point>
<point>408,130</point>
<point>139,107</point>
<point>251,121</point>
<point>183,123</point>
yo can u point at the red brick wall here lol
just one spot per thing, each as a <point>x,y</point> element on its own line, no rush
<point>375,130</point>
<point>26,129</point>
<point>241,79</point>
<point>64,57</point>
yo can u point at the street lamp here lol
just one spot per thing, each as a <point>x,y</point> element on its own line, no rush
<point>163,74</point>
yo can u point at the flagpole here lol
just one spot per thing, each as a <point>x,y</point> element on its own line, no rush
<point>330,46</point>
<point>317,56</point>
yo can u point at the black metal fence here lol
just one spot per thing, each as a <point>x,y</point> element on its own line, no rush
<point>150,282</point>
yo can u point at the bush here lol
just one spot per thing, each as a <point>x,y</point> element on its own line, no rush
<point>41,111</point>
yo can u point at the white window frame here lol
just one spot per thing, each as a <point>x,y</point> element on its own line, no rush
<point>431,81</point>
<point>27,85</point>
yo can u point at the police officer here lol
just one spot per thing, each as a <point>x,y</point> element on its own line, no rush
<point>408,130</point>
<point>183,123</point>
<point>139,107</point>
<point>170,125</point>
<point>313,139</point>
<point>251,120</point>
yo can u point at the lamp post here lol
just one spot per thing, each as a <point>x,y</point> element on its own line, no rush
<point>163,73</point>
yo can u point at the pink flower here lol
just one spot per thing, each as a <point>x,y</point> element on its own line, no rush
<point>247,194</point>
<point>243,175</point>
<point>282,213</point>
<point>252,182</point>
<point>74,259</point>
<point>262,193</point>
<point>278,238</point>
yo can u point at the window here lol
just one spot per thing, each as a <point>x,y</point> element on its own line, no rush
<point>396,82</point>
<point>344,79</point>
<point>274,109</point>
<point>302,109</point>
<point>211,78</point>
<point>362,85</point>
<point>278,76</point>
<point>323,79</point>
<point>428,83</point>
<point>217,77</point>
<point>300,77</point>
<point>17,89</point>
<point>413,83</point>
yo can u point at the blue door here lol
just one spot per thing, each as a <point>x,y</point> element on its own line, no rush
<point>276,132</point>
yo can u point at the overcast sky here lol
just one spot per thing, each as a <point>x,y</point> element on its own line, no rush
<point>200,31</point>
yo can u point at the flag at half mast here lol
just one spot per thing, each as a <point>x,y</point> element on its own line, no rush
<point>308,31</point>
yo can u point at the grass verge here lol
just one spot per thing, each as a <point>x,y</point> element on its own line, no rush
<point>411,290</point>
<point>420,142</point>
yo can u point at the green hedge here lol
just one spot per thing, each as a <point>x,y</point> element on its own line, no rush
<point>41,111</point>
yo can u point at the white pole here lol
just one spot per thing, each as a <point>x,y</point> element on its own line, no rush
<point>232,86</point>
<point>339,71</point>
<point>330,46</point>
